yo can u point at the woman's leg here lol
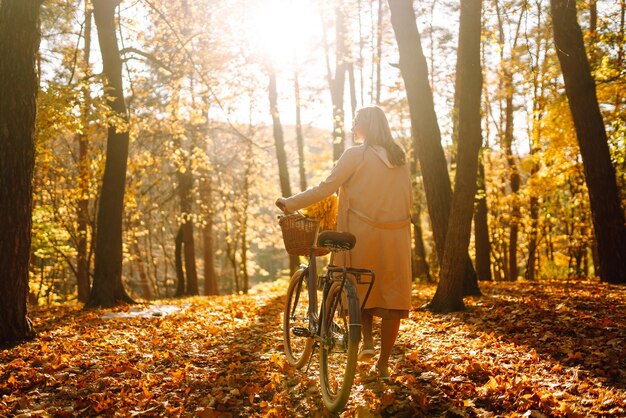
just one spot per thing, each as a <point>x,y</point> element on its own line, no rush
<point>366,329</point>
<point>389,333</point>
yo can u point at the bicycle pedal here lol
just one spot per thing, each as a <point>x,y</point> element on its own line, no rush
<point>301,331</point>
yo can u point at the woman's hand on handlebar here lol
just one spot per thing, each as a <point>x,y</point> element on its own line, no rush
<point>280,202</point>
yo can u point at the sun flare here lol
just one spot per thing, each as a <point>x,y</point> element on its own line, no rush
<point>280,30</point>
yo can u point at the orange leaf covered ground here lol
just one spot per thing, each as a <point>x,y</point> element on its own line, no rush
<point>524,349</point>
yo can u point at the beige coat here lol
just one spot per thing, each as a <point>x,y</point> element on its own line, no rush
<point>374,205</point>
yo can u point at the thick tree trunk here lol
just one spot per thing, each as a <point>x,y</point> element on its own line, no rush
<point>281,156</point>
<point>607,214</point>
<point>19,43</point>
<point>210,278</point>
<point>82,261</point>
<point>425,128</point>
<point>449,294</point>
<point>299,135</point>
<point>481,228</point>
<point>108,289</point>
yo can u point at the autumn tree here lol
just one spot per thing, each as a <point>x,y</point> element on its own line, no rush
<point>425,130</point>
<point>449,294</point>
<point>19,43</point>
<point>337,81</point>
<point>210,277</point>
<point>185,257</point>
<point>279,143</point>
<point>540,77</point>
<point>507,91</point>
<point>481,226</point>
<point>299,135</point>
<point>82,256</point>
<point>607,213</point>
<point>108,289</point>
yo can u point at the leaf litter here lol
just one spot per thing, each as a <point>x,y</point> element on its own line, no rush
<point>524,349</point>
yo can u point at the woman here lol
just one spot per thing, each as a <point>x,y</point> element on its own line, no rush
<point>374,204</point>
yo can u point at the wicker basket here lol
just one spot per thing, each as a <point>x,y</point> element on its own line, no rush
<point>299,234</point>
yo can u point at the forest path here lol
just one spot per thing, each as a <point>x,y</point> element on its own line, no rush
<point>552,348</point>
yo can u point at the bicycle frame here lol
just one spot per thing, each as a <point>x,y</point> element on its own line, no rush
<point>343,273</point>
<point>311,276</point>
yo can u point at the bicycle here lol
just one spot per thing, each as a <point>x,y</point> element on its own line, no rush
<point>338,333</point>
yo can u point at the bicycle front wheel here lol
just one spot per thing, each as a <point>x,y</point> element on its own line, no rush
<point>340,336</point>
<point>298,348</point>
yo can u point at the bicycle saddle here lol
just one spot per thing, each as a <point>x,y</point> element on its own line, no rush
<point>336,241</point>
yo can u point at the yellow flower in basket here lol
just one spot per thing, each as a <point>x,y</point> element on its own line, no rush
<point>324,211</point>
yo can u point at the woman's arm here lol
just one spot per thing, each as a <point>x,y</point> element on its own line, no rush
<point>345,167</point>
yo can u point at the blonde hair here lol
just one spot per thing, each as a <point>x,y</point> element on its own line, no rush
<point>372,120</point>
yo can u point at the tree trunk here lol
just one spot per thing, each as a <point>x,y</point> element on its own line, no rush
<point>379,49</point>
<point>279,141</point>
<point>281,156</point>
<point>449,294</point>
<point>82,262</point>
<point>481,228</point>
<point>514,178</point>
<point>337,86</point>
<point>421,269</point>
<point>108,289</point>
<point>352,84</point>
<point>299,135</point>
<point>620,59</point>
<point>144,281</point>
<point>425,128</point>
<point>185,185</point>
<point>534,138</point>
<point>19,43</point>
<point>178,263</point>
<point>210,278</point>
<point>593,33</point>
<point>360,59</point>
<point>244,222</point>
<point>532,239</point>
<point>506,84</point>
<point>607,214</point>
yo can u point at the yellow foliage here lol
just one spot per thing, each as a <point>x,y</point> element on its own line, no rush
<point>324,211</point>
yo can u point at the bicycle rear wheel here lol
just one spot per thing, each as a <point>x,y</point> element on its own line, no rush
<point>298,348</point>
<point>340,336</point>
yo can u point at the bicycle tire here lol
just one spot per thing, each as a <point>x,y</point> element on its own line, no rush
<point>297,349</point>
<point>340,337</point>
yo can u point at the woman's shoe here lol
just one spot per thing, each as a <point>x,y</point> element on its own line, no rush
<point>366,354</point>
<point>382,375</point>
